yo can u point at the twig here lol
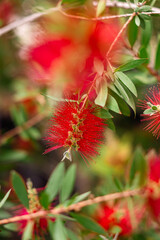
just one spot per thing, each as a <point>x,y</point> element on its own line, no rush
<point>73,207</point>
<point>152,71</point>
<point>27,19</point>
<point>31,122</point>
<point>37,15</point>
<point>120,32</point>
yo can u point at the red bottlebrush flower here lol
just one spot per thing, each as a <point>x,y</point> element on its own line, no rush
<point>108,217</point>
<point>151,114</point>
<point>153,186</point>
<point>75,128</point>
<point>40,225</point>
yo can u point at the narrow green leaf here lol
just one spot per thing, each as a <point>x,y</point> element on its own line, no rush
<point>110,124</point>
<point>54,182</point>
<point>157,60</point>
<point>145,8</point>
<point>68,183</point>
<point>60,232</point>
<point>137,21</point>
<point>20,188</point>
<point>119,86</point>
<point>100,7</point>
<point>143,53</point>
<point>142,22</point>
<point>122,105</point>
<point>138,166</point>
<point>126,95</point>
<point>4,198</point>
<point>112,104</point>
<point>132,32</point>
<point>81,197</point>
<point>131,101</point>
<point>103,113</point>
<point>127,82</point>
<point>28,231</point>
<point>88,223</point>
<point>131,65</point>
<point>102,95</point>
<point>13,155</point>
<point>72,235</point>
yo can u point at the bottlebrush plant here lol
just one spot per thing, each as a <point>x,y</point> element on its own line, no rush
<point>79,80</point>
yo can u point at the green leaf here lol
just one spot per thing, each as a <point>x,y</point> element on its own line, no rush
<point>81,197</point>
<point>138,166</point>
<point>110,124</point>
<point>74,2</point>
<point>119,86</point>
<point>54,183</point>
<point>60,232</point>
<point>126,95</point>
<point>145,8</point>
<point>68,183</point>
<point>142,22</point>
<point>132,32</point>
<point>20,188</point>
<point>131,101</point>
<point>131,65</point>
<point>28,231</point>
<point>13,155</point>
<point>88,223</point>
<point>127,82</point>
<point>157,60</point>
<point>143,53</point>
<point>102,95</point>
<point>103,113</point>
<point>137,21</point>
<point>4,198</point>
<point>112,104</point>
<point>145,16</point>
<point>100,7</point>
<point>122,105</point>
<point>71,235</point>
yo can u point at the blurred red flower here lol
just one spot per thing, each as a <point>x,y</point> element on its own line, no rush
<point>153,185</point>
<point>75,127</point>
<point>151,107</point>
<point>109,217</point>
<point>77,55</point>
<point>39,224</point>
<point>6,10</point>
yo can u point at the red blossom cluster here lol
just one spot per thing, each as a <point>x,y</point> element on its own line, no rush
<point>75,126</point>
<point>153,186</point>
<point>151,107</point>
<point>119,216</point>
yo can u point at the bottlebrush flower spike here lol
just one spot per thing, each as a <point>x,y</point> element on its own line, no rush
<point>75,127</point>
<point>111,216</point>
<point>39,224</point>
<point>151,114</point>
<point>153,185</point>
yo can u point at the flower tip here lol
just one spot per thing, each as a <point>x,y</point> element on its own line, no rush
<point>67,154</point>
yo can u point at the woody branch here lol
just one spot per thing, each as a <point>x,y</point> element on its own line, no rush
<point>73,207</point>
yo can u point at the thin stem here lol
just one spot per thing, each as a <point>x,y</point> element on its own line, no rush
<point>73,207</point>
<point>90,89</point>
<point>17,130</point>
<point>120,32</point>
